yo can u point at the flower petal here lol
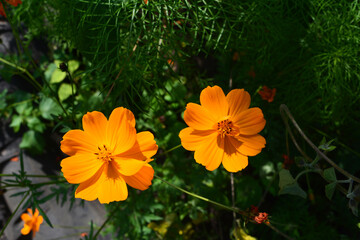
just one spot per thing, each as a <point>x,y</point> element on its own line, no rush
<point>94,124</point>
<point>214,100</point>
<point>88,190</point>
<point>250,121</point>
<point>142,179</point>
<point>192,139</point>
<point>233,161</point>
<point>25,217</point>
<point>198,117</point>
<point>239,100</point>
<point>39,221</point>
<point>113,188</point>
<point>243,148</point>
<point>251,145</point>
<point>210,152</point>
<point>145,147</point>
<point>126,166</point>
<point>121,135</point>
<point>80,167</point>
<point>77,141</point>
<point>26,229</point>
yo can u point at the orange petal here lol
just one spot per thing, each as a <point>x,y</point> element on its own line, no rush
<point>127,167</point>
<point>39,221</point>
<point>94,124</point>
<point>142,179</point>
<point>239,100</point>
<point>25,230</point>
<point>251,145</point>
<point>80,167</point>
<point>233,161</point>
<point>198,117</point>
<point>121,135</point>
<point>30,211</point>
<point>36,213</point>
<point>214,100</point>
<point>250,121</point>
<point>88,190</point>
<point>145,147</point>
<point>78,141</point>
<point>243,148</point>
<point>210,152</point>
<point>113,188</point>
<point>25,217</point>
<point>192,139</point>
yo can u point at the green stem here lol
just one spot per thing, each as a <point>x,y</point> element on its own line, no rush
<point>26,72</point>
<point>170,150</point>
<point>284,108</point>
<point>107,220</point>
<point>306,171</point>
<point>12,215</point>
<point>233,209</point>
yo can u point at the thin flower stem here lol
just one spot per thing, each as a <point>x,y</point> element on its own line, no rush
<point>107,220</point>
<point>233,194</point>
<point>170,150</point>
<point>306,171</point>
<point>278,231</point>
<point>284,108</point>
<point>233,209</point>
<point>26,72</point>
<point>12,215</point>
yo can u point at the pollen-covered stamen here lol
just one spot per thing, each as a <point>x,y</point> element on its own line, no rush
<point>104,154</point>
<point>226,127</point>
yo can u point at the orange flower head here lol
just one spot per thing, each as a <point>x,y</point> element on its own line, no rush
<point>267,94</point>
<point>261,218</point>
<point>31,222</point>
<point>107,155</point>
<point>223,129</point>
<point>11,2</point>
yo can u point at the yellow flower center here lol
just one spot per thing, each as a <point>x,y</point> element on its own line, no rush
<point>226,127</point>
<point>104,154</point>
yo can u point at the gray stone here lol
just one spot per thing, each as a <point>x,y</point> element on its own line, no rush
<point>68,224</point>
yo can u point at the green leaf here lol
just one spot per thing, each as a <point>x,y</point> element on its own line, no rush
<point>288,185</point>
<point>65,91</point>
<point>330,175</point>
<point>16,122</point>
<point>49,108</point>
<point>73,65</point>
<point>285,178</point>
<point>57,76</point>
<point>330,189</point>
<point>293,189</point>
<point>35,124</point>
<point>33,141</point>
<point>49,71</point>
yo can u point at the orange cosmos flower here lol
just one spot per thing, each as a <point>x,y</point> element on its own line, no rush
<point>107,155</point>
<point>31,222</point>
<point>12,2</point>
<point>223,129</point>
<point>267,94</point>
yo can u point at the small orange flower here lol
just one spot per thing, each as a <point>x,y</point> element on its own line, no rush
<point>11,2</point>
<point>107,155</point>
<point>223,129</point>
<point>31,222</point>
<point>14,159</point>
<point>261,218</point>
<point>267,94</point>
